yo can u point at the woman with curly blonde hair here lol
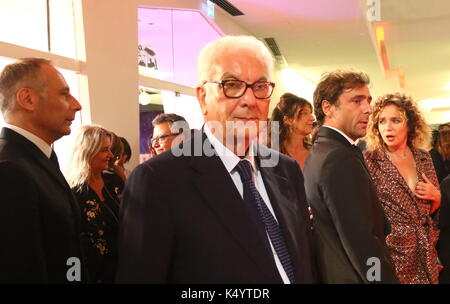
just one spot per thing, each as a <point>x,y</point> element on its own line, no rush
<point>406,184</point>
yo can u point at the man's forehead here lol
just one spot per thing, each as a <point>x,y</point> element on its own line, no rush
<point>236,70</point>
<point>161,127</point>
<point>362,90</point>
<point>51,73</point>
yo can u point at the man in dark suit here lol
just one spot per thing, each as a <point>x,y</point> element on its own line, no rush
<point>39,233</point>
<point>349,221</point>
<point>220,209</point>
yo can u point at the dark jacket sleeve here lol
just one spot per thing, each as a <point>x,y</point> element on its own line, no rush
<point>439,165</point>
<point>146,230</point>
<point>310,270</point>
<point>22,258</point>
<point>350,201</point>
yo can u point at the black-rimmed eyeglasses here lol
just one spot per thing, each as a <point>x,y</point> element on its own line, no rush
<point>236,88</point>
<point>162,137</point>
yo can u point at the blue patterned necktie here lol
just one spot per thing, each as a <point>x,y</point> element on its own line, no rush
<point>272,228</point>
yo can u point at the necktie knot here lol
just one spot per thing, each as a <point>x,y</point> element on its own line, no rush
<point>244,169</point>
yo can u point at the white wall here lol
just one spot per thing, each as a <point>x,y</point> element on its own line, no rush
<point>110,37</point>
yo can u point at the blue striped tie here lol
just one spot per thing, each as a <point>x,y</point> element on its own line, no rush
<point>272,228</point>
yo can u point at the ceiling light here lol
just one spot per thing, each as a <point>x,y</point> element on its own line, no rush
<point>144,98</point>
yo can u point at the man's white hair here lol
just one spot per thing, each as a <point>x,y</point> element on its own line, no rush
<point>212,50</point>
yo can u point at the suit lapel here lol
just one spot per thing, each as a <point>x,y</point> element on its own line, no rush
<point>336,136</point>
<point>41,159</point>
<point>34,152</point>
<point>230,210</point>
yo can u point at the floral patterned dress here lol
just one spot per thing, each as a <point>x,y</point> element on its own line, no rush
<point>100,227</point>
<point>414,232</point>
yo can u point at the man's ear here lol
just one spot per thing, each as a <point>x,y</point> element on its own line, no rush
<point>201,96</point>
<point>328,108</point>
<point>27,98</point>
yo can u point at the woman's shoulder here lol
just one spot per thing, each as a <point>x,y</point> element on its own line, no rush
<point>371,155</point>
<point>423,154</point>
<point>83,193</point>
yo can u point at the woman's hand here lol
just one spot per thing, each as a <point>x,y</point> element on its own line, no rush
<point>427,191</point>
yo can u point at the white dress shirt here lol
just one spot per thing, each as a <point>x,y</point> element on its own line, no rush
<point>230,161</point>
<point>352,142</point>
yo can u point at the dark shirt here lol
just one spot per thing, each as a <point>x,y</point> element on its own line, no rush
<point>443,245</point>
<point>441,166</point>
<point>100,226</point>
<point>113,182</point>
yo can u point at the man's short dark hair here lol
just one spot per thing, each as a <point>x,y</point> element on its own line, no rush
<point>170,118</point>
<point>177,124</point>
<point>332,85</point>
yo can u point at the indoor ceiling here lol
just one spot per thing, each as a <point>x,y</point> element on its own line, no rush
<point>322,35</point>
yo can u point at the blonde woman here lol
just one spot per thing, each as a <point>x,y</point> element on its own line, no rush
<point>99,207</point>
<point>406,185</point>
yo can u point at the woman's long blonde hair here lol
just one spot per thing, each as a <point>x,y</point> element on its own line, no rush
<point>88,143</point>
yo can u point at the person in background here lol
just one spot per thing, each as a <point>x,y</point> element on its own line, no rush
<point>39,217</point>
<point>445,126</point>
<point>440,154</point>
<point>443,244</point>
<point>295,119</point>
<point>125,158</point>
<point>114,175</point>
<point>406,184</point>
<point>99,207</point>
<point>167,132</point>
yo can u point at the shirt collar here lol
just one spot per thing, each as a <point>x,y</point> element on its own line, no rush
<point>228,158</point>
<point>41,144</point>
<point>352,142</point>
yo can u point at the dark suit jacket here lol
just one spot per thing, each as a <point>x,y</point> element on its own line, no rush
<point>443,245</point>
<point>440,165</point>
<point>184,221</point>
<point>38,215</point>
<point>349,223</point>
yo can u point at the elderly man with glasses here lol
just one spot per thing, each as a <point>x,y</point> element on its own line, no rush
<point>227,210</point>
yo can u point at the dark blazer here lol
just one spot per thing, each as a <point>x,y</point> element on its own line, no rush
<point>349,223</point>
<point>39,218</point>
<point>443,245</point>
<point>184,221</point>
<point>440,165</point>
